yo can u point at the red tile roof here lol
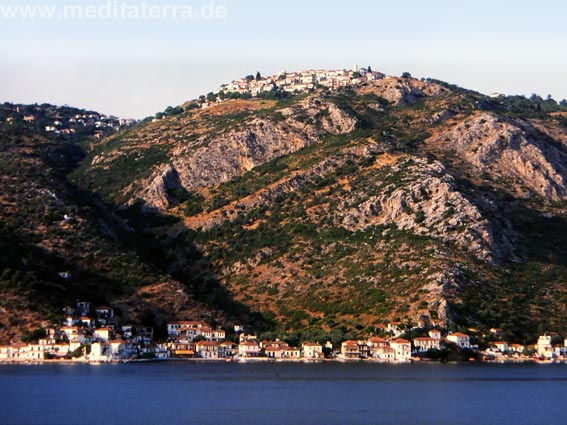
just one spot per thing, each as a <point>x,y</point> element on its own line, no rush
<point>273,349</point>
<point>188,322</point>
<point>208,344</point>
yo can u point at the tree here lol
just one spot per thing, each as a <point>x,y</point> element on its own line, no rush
<point>249,77</point>
<point>406,75</point>
<point>327,352</point>
<point>258,76</point>
<point>233,95</point>
<point>170,111</point>
<point>369,68</point>
<point>192,106</point>
<point>34,335</point>
<point>77,353</point>
<point>194,204</point>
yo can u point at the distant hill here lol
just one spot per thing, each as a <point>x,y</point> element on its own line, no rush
<point>324,212</point>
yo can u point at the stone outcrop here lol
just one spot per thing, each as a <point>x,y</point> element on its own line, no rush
<point>427,203</point>
<point>330,117</point>
<point>158,190</point>
<point>403,91</point>
<point>210,162</point>
<point>440,288</point>
<point>511,151</point>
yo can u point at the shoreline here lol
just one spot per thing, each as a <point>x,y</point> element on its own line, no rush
<point>258,360</point>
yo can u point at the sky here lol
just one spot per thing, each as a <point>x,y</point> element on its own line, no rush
<point>135,65</point>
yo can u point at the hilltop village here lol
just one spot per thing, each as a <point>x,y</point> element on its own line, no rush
<point>286,83</point>
<point>62,121</point>
<point>293,82</point>
<point>93,335</point>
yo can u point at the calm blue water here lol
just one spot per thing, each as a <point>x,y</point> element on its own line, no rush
<point>187,393</point>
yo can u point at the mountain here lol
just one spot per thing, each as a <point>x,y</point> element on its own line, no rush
<point>323,211</point>
<point>59,244</point>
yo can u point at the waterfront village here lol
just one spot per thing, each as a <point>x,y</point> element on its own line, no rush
<point>93,335</point>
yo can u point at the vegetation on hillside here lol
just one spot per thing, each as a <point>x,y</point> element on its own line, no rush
<point>293,246</point>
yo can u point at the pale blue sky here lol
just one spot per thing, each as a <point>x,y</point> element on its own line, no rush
<point>134,68</point>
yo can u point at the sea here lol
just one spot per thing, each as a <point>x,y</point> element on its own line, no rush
<point>283,393</point>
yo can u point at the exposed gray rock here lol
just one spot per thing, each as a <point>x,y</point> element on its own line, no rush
<point>510,151</point>
<point>157,191</point>
<point>403,91</point>
<point>229,154</point>
<point>442,116</point>
<point>427,203</point>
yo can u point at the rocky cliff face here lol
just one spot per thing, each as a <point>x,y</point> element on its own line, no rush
<point>509,150</point>
<point>211,161</point>
<point>159,186</point>
<point>427,202</point>
<point>403,91</point>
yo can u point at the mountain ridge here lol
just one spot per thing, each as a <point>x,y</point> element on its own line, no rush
<point>335,211</point>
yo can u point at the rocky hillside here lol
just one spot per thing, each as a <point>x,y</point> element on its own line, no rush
<point>59,244</point>
<point>330,213</point>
